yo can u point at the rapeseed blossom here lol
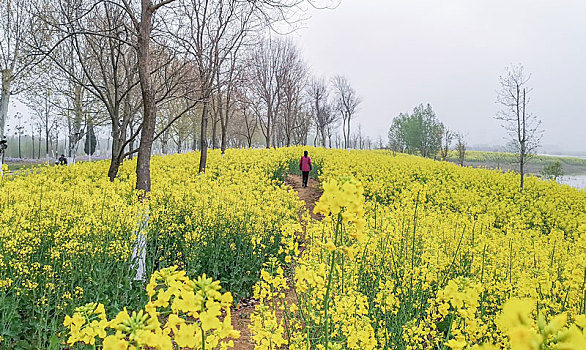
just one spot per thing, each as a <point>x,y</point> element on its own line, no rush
<point>67,234</point>
<point>440,256</point>
<point>205,323</point>
<point>410,253</point>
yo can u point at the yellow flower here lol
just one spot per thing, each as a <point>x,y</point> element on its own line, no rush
<point>516,312</point>
<point>572,339</point>
<point>115,342</point>
<point>524,338</point>
<point>458,343</point>
<point>209,318</point>
<point>580,321</point>
<point>556,323</point>
<point>330,246</point>
<point>121,317</point>
<point>187,336</point>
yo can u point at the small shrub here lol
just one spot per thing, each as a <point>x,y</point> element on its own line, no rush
<point>553,170</point>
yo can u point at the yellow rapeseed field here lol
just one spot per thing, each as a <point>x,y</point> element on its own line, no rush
<point>410,253</point>
<point>449,258</point>
<point>67,234</point>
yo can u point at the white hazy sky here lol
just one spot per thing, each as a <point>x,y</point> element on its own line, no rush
<point>450,53</point>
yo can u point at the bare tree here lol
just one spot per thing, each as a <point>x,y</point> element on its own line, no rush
<point>91,47</point>
<point>79,106</point>
<point>246,120</point>
<point>330,131</point>
<point>360,139</point>
<point>301,134</point>
<point>121,67</point>
<point>461,148</point>
<point>210,33</point>
<point>346,103</point>
<point>182,126</point>
<point>149,36</point>
<point>16,27</point>
<point>294,79</point>
<point>42,100</point>
<point>229,81</point>
<point>142,21</point>
<point>321,110</point>
<point>267,78</point>
<point>165,114</point>
<point>448,135</point>
<point>380,143</point>
<point>524,128</point>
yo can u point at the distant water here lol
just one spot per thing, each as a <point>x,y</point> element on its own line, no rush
<point>562,155</point>
<point>577,181</point>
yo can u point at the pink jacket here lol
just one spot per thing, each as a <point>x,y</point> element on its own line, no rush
<point>305,164</point>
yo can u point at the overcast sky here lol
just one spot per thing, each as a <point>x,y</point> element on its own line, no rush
<point>450,53</point>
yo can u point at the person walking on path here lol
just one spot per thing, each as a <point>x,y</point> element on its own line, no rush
<point>305,166</point>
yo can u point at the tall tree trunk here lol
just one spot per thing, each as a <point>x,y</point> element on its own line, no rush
<point>223,121</point>
<point>47,141</point>
<point>4,99</point>
<point>268,135</point>
<point>77,119</point>
<point>164,146</point>
<point>203,137</point>
<point>70,148</point>
<point>117,151</point>
<point>223,142</point>
<point>193,143</point>
<point>348,133</point>
<point>344,133</point>
<point>523,143</point>
<point>143,164</point>
<point>115,163</point>
<point>130,146</point>
<point>522,170</point>
<point>215,133</point>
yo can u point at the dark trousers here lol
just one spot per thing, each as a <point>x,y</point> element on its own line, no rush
<point>305,178</point>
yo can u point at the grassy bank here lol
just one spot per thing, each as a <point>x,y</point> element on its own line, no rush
<point>508,161</point>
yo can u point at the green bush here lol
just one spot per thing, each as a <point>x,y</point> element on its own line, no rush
<point>553,171</point>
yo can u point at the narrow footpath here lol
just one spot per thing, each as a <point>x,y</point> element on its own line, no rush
<point>241,315</point>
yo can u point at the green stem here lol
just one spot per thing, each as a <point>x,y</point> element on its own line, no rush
<point>584,293</point>
<point>203,333</point>
<point>327,296</point>
<point>327,299</point>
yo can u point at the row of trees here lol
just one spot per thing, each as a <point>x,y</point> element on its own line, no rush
<point>168,70</point>
<point>422,133</point>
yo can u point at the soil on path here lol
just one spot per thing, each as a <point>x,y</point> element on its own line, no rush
<point>309,194</point>
<point>241,315</point>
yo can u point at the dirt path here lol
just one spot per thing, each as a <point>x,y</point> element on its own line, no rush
<point>241,316</point>
<point>309,194</point>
